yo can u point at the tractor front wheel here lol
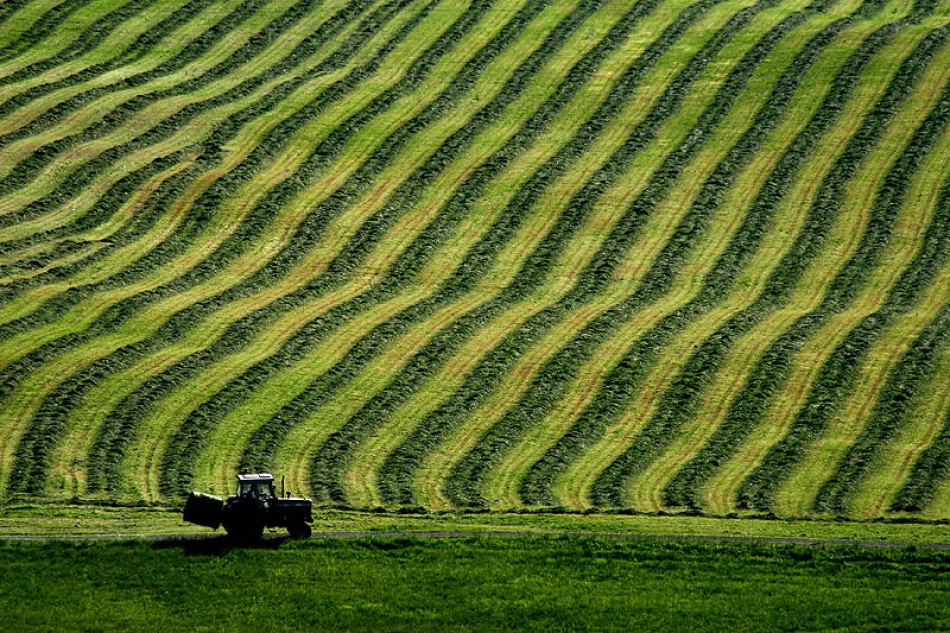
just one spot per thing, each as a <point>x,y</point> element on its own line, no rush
<point>299,530</point>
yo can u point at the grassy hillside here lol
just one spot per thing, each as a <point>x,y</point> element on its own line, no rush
<point>654,255</point>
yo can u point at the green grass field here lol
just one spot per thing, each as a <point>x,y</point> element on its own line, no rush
<point>470,584</point>
<point>648,256</point>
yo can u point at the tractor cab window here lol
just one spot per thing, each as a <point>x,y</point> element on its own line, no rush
<point>259,489</point>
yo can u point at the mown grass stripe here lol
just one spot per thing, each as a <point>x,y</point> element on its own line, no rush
<point>472,402</point>
<point>559,279</point>
<point>592,386</point>
<point>409,264</point>
<point>465,197</point>
<point>333,456</point>
<point>646,489</point>
<point>683,488</point>
<point>239,100</point>
<point>75,160</point>
<point>614,480</point>
<point>894,463</point>
<point>760,487</point>
<point>128,215</point>
<point>260,154</point>
<point>912,368</point>
<point>212,153</point>
<point>134,41</point>
<point>203,38</point>
<point>312,229</point>
<point>716,394</point>
<point>8,9</point>
<point>243,140</point>
<point>531,459</point>
<point>49,100</point>
<point>177,327</point>
<point>930,473</point>
<point>396,484</point>
<point>410,261</point>
<point>896,368</point>
<point>251,32</point>
<point>459,85</point>
<point>105,30</point>
<point>547,387</point>
<point>280,124</point>
<point>48,23</point>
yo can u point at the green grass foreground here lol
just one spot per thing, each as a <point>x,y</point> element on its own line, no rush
<point>565,583</point>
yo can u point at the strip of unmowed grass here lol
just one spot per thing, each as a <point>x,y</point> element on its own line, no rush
<point>565,583</point>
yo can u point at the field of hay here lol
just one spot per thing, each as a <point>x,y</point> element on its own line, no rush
<point>655,255</point>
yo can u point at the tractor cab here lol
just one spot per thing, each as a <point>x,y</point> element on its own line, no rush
<point>257,485</point>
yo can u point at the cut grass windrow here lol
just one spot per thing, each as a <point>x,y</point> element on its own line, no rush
<point>210,192</point>
<point>646,490</point>
<point>920,426</point>
<point>46,104</point>
<point>311,230</point>
<point>32,84</point>
<point>931,471</point>
<point>278,122</point>
<point>123,203</point>
<point>901,390</point>
<point>915,366</point>
<point>611,485</point>
<point>99,32</point>
<point>537,482</point>
<point>210,153</point>
<point>414,367</point>
<point>262,153</point>
<point>396,474</point>
<point>204,53</point>
<point>546,388</point>
<point>479,253</point>
<point>838,372</point>
<point>473,266</point>
<point>8,8</point>
<point>46,25</point>
<point>259,219</point>
<point>470,397</point>
<point>511,220</point>
<point>420,251</point>
<point>683,488</point>
<point>244,37</point>
<point>432,388</point>
<point>226,120</point>
<point>861,385</point>
<point>370,232</point>
<point>502,485</point>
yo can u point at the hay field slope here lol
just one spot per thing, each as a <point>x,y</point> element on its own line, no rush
<point>657,255</point>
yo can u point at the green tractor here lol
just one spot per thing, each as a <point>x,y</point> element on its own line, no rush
<point>255,506</point>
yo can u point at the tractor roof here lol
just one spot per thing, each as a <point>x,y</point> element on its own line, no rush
<point>255,477</point>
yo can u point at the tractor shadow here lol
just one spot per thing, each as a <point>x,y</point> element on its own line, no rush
<point>220,545</point>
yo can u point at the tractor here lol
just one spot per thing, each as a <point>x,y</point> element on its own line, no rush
<point>255,506</point>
